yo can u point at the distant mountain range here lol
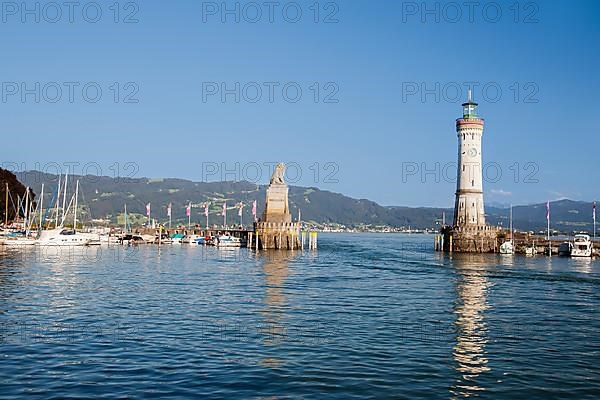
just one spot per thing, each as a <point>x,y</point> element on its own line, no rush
<point>104,198</point>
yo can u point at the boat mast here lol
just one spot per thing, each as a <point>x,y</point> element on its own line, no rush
<point>512,234</point>
<point>41,209</point>
<point>125,229</point>
<point>6,207</point>
<point>64,198</point>
<point>75,209</point>
<point>57,200</point>
<point>26,214</point>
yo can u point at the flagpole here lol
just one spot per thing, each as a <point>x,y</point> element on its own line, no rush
<point>548,225</point>
<point>594,214</point>
<point>190,215</point>
<point>548,220</point>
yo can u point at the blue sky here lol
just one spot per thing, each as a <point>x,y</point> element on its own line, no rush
<point>365,130</point>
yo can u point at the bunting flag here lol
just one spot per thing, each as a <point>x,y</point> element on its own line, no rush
<point>254,208</point>
<point>148,210</point>
<point>206,208</point>
<point>169,210</point>
<point>240,206</point>
<point>188,210</point>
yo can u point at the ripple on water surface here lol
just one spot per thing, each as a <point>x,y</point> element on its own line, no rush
<point>365,316</point>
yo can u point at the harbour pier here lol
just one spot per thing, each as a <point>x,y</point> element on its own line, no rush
<point>274,230</point>
<point>536,244</point>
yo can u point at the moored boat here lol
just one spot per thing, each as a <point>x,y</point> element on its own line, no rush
<point>227,241</point>
<point>192,239</point>
<point>177,238</point>
<point>63,237</point>
<point>564,249</point>
<point>507,248</point>
<point>530,250</point>
<point>582,246</point>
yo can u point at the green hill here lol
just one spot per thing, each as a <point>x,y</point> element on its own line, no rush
<point>104,197</point>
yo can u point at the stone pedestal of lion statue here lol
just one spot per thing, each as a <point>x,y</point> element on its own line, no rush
<point>275,229</point>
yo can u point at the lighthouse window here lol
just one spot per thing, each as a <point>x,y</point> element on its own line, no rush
<point>473,183</point>
<point>463,168</point>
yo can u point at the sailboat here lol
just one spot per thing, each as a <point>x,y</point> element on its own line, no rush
<point>508,246</point>
<point>127,237</point>
<point>61,235</point>
<point>23,238</point>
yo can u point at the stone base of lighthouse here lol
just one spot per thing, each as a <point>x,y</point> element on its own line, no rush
<point>276,235</point>
<point>475,239</point>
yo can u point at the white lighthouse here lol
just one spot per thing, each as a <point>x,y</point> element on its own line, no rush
<point>468,207</point>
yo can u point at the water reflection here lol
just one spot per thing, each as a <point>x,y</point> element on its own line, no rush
<point>10,265</point>
<point>275,269</point>
<point>582,264</point>
<point>469,351</point>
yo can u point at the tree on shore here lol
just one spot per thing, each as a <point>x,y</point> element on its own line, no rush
<point>16,191</point>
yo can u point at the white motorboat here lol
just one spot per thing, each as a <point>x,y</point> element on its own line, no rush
<point>582,246</point>
<point>63,237</point>
<point>192,239</point>
<point>227,241</point>
<point>507,247</point>
<point>530,250</point>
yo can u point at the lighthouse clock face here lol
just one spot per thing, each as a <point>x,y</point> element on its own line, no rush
<point>472,152</point>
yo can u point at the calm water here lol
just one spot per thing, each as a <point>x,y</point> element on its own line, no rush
<point>367,316</point>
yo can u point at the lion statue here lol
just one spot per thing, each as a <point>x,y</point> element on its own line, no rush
<point>278,173</point>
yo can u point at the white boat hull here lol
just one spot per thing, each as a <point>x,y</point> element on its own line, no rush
<point>581,253</point>
<point>64,237</point>
<point>20,242</point>
<point>227,241</point>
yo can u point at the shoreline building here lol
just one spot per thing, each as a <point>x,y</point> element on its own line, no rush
<point>469,232</point>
